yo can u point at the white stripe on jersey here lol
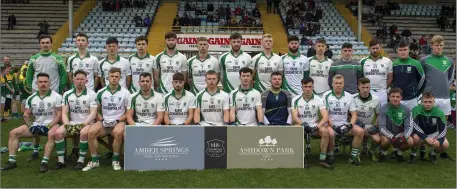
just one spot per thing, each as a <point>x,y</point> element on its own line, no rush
<point>230,67</point>
<point>197,70</point>
<point>113,104</point>
<point>245,103</point>
<point>318,71</point>
<point>366,110</point>
<point>43,108</point>
<point>79,106</point>
<point>264,67</point>
<point>105,65</point>
<point>294,71</point>
<point>338,108</point>
<point>308,111</point>
<point>212,107</point>
<point>89,64</point>
<point>377,71</point>
<point>145,109</point>
<point>139,65</point>
<point>168,66</point>
<point>178,109</point>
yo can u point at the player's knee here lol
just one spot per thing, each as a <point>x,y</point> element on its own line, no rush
<point>14,133</point>
<point>358,131</point>
<point>323,132</point>
<point>331,133</point>
<point>445,144</point>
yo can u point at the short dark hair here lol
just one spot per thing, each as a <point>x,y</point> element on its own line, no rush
<point>114,70</point>
<point>41,74</point>
<point>403,44</point>
<point>178,76</point>
<point>44,36</point>
<point>169,35</point>
<point>321,41</point>
<point>210,72</point>
<point>373,42</point>
<point>307,80</point>
<point>80,72</point>
<point>363,80</point>
<point>245,70</point>
<point>83,35</point>
<point>235,35</point>
<point>146,74</point>
<point>292,38</point>
<point>396,90</point>
<point>428,95</point>
<point>276,73</point>
<point>111,40</point>
<point>346,45</point>
<point>141,38</point>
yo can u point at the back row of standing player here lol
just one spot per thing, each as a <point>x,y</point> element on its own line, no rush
<point>434,73</point>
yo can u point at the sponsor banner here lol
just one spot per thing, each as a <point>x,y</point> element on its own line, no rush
<point>215,147</point>
<point>164,148</point>
<point>265,147</point>
<point>220,43</point>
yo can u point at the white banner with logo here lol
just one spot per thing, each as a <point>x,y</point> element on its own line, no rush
<point>221,43</point>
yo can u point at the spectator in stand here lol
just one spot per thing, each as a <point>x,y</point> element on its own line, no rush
<point>176,21</point>
<point>414,50</point>
<point>406,34</point>
<point>11,21</point>
<point>44,26</point>
<point>221,12</point>
<point>237,10</point>
<point>228,13</point>
<point>269,5</point>
<point>138,21</point>
<point>118,5</point>
<point>424,45</point>
<point>256,12</point>
<point>275,8</point>
<point>187,7</point>
<point>442,22</point>
<point>210,7</point>
<point>147,21</point>
<point>328,53</point>
<point>311,52</point>
<point>393,30</point>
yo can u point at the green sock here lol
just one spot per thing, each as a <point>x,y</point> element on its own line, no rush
<point>322,156</point>
<point>83,146</point>
<point>95,157</point>
<point>12,158</point>
<point>115,156</point>
<point>35,148</point>
<point>60,148</point>
<point>355,152</point>
<point>45,160</point>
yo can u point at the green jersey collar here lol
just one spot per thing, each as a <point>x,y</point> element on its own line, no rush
<point>117,89</point>
<point>293,56</point>
<point>118,58</point>
<point>146,56</point>
<point>264,55</point>
<point>141,93</point>
<point>83,93</point>
<point>312,97</point>
<point>245,90</point>
<point>438,56</point>
<point>87,55</point>
<point>206,58</point>
<point>315,58</point>
<point>334,94</point>
<point>405,60</point>
<point>44,53</point>
<point>46,95</point>
<point>239,53</point>
<point>217,91</point>
<point>368,99</point>
<point>379,57</point>
<point>165,53</point>
<point>173,93</point>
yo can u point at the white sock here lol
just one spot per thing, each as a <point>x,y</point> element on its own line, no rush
<point>433,152</point>
<point>81,159</point>
<point>61,159</point>
<point>383,152</point>
<point>399,152</point>
<point>395,149</point>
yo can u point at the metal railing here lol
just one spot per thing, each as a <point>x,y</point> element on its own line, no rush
<point>217,29</point>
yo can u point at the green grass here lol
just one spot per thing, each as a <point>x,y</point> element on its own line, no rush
<point>380,175</point>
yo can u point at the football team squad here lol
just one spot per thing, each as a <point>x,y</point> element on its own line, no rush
<point>404,104</point>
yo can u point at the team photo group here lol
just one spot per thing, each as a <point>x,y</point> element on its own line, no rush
<point>376,103</point>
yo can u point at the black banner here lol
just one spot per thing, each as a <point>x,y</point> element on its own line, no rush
<point>215,147</point>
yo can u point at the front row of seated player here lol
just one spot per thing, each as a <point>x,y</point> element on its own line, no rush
<point>94,115</point>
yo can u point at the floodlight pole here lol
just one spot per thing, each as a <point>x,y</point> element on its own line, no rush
<point>359,21</point>
<point>70,18</point>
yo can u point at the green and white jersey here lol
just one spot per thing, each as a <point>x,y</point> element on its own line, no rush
<point>318,70</point>
<point>309,111</point>
<point>145,109</point>
<point>178,109</point>
<point>105,65</point>
<point>377,71</point>
<point>245,102</point>
<point>338,108</point>
<point>89,64</point>
<point>197,71</point>
<point>230,67</point>
<point>366,110</point>
<point>212,107</point>
<point>167,66</point>
<point>139,65</point>
<point>264,66</point>
<point>79,106</point>
<point>113,104</point>
<point>50,63</point>
<point>295,69</point>
<point>43,108</point>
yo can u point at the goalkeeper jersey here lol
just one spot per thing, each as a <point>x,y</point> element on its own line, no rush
<point>50,63</point>
<point>79,105</point>
<point>43,108</point>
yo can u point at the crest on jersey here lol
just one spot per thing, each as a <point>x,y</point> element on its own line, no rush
<point>147,65</point>
<point>236,62</point>
<point>326,67</point>
<point>268,62</point>
<point>400,114</point>
<point>294,62</point>
<point>209,66</point>
<point>119,98</point>
<point>49,104</point>
<point>345,103</point>
<point>77,102</point>
<point>218,101</point>
<point>84,102</point>
<point>245,99</point>
<point>314,106</point>
<point>408,69</point>
<point>139,65</point>
<point>185,103</point>
<point>169,62</point>
<point>382,65</point>
<point>112,99</point>
<point>177,62</point>
<point>243,62</point>
<point>301,63</point>
<point>87,65</point>
<point>337,104</point>
<point>252,99</point>
<point>434,120</point>
<point>203,66</point>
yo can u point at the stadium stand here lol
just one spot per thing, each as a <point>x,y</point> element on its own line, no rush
<point>332,27</point>
<point>21,42</point>
<point>99,25</point>
<point>197,17</point>
<point>419,23</point>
